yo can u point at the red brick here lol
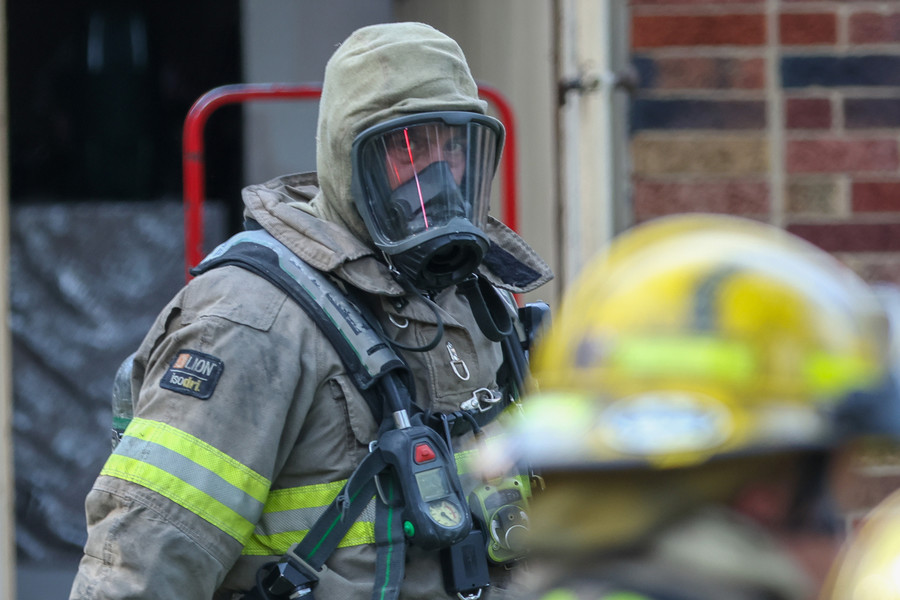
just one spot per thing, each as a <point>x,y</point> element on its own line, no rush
<point>749,74</point>
<point>698,72</point>
<point>656,31</point>
<point>738,156</point>
<point>819,196</point>
<point>871,113</point>
<point>874,28</point>
<point>841,155</point>
<point>851,237</point>
<point>654,198</point>
<point>808,28</point>
<point>808,113</point>
<point>876,196</point>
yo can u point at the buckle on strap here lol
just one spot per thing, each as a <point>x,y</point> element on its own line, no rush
<point>483,399</point>
<point>290,577</point>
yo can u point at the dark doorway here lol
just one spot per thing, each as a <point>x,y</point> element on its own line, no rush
<point>99,90</point>
<point>98,94</point>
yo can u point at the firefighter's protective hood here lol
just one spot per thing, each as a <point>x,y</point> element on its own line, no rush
<point>379,73</point>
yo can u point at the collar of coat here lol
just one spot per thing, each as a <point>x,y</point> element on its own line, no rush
<point>282,207</point>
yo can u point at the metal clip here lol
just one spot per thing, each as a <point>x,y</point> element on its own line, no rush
<point>458,365</point>
<point>400,324</point>
<point>482,399</point>
<point>474,596</point>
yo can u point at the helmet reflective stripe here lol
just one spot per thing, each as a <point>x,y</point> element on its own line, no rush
<point>191,473</point>
<point>707,356</point>
<point>289,514</point>
<point>729,361</point>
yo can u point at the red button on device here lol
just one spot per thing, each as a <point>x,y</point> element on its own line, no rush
<point>424,453</point>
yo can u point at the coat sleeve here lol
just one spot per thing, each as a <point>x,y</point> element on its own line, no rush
<point>225,378</point>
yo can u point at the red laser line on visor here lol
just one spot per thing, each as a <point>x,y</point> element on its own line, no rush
<point>415,174</point>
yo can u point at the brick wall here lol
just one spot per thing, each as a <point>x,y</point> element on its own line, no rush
<point>787,111</point>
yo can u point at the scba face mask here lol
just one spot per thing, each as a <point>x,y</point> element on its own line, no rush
<point>422,184</point>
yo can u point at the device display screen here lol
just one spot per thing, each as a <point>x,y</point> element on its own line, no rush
<point>432,484</point>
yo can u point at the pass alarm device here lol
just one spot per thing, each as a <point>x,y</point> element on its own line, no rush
<point>435,511</point>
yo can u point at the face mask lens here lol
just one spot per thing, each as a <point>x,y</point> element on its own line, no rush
<point>410,150</point>
<point>423,176</point>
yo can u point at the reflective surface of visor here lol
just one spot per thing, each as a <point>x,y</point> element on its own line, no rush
<point>425,172</point>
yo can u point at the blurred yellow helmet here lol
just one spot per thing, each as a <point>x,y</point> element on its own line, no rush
<point>703,336</point>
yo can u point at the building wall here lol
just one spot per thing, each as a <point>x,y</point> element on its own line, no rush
<point>787,111</point>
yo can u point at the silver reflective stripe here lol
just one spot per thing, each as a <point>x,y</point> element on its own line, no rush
<point>192,473</point>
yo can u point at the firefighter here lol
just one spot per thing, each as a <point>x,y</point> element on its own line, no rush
<point>688,402</point>
<point>247,423</point>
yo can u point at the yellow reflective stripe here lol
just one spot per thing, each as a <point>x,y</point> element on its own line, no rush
<point>205,455</point>
<point>278,543</point>
<point>180,492</point>
<point>685,356</point>
<point>290,512</point>
<point>322,494</point>
<point>191,473</point>
<point>828,374</point>
<point>725,360</point>
<point>308,496</point>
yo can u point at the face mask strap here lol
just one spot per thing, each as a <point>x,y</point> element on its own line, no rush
<point>488,309</point>
<point>410,288</point>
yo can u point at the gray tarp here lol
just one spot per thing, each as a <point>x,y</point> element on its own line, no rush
<point>86,282</point>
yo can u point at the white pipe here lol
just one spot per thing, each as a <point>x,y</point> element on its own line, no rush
<point>589,138</point>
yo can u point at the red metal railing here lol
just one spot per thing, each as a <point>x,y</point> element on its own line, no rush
<point>194,158</point>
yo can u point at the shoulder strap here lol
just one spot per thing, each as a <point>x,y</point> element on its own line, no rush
<point>365,355</point>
